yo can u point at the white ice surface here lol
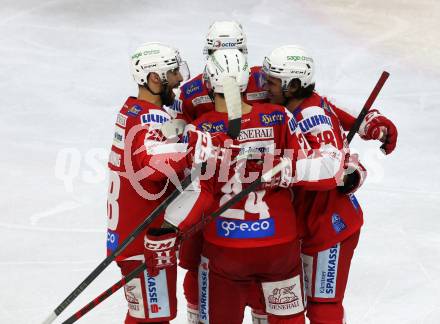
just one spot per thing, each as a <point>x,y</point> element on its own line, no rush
<point>64,75</point>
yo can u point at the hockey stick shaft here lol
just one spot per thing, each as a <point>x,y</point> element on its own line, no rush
<point>373,95</point>
<point>253,186</point>
<point>109,259</point>
<point>110,291</point>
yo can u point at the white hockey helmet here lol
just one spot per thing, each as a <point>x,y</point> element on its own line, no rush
<point>290,62</point>
<point>225,35</point>
<point>226,63</point>
<point>158,58</point>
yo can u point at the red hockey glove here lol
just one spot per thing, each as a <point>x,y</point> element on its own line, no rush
<point>203,146</point>
<point>377,127</point>
<point>354,175</point>
<point>283,179</point>
<point>160,249</point>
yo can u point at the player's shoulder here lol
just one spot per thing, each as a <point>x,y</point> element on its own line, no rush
<point>193,88</point>
<point>267,107</point>
<point>211,122</point>
<point>314,100</point>
<point>270,114</point>
<point>315,104</point>
<point>255,69</point>
<point>136,111</point>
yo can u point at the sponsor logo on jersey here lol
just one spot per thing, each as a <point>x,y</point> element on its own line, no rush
<point>177,106</point>
<point>259,80</point>
<point>254,96</point>
<point>275,118</point>
<point>112,240</point>
<point>241,229</point>
<point>201,100</point>
<point>192,88</point>
<point>256,133</point>
<point>134,111</point>
<point>338,223</point>
<point>293,124</point>
<point>115,159</point>
<point>157,294</point>
<point>283,297</point>
<point>155,117</point>
<point>354,202</point>
<point>203,293</point>
<point>326,106</point>
<point>326,272</point>
<point>121,120</point>
<point>119,137</point>
<point>133,295</point>
<point>209,127</point>
<point>224,44</point>
<point>256,147</point>
<point>307,124</point>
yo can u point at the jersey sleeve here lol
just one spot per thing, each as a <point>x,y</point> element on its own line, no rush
<point>346,119</point>
<point>194,203</point>
<point>152,154</point>
<point>318,166</point>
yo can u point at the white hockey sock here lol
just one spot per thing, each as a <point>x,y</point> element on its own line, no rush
<point>192,314</point>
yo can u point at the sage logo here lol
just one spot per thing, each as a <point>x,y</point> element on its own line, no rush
<point>299,58</point>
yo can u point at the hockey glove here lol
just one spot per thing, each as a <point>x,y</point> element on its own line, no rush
<point>354,175</point>
<point>203,146</point>
<point>375,126</point>
<point>283,179</point>
<point>160,249</point>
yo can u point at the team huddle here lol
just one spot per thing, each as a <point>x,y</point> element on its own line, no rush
<point>285,248</point>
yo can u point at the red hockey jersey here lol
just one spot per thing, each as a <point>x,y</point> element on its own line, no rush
<point>139,180</point>
<point>264,217</point>
<point>327,217</point>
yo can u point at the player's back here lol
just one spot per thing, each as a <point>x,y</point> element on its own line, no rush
<point>264,217</point>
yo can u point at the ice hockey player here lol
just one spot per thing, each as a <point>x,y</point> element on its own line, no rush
<point>242,248</point>
<point>136,181</point>
<point>193,99</point>
<point>331,220</point>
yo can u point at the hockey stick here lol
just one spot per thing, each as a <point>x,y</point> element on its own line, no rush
<point>234,124</point>
<point>232,95</point>
<point>373,95</point>
<point>110,291</point>
<point>109,259</point>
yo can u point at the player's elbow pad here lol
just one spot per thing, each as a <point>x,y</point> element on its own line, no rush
<point>185,210</point>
